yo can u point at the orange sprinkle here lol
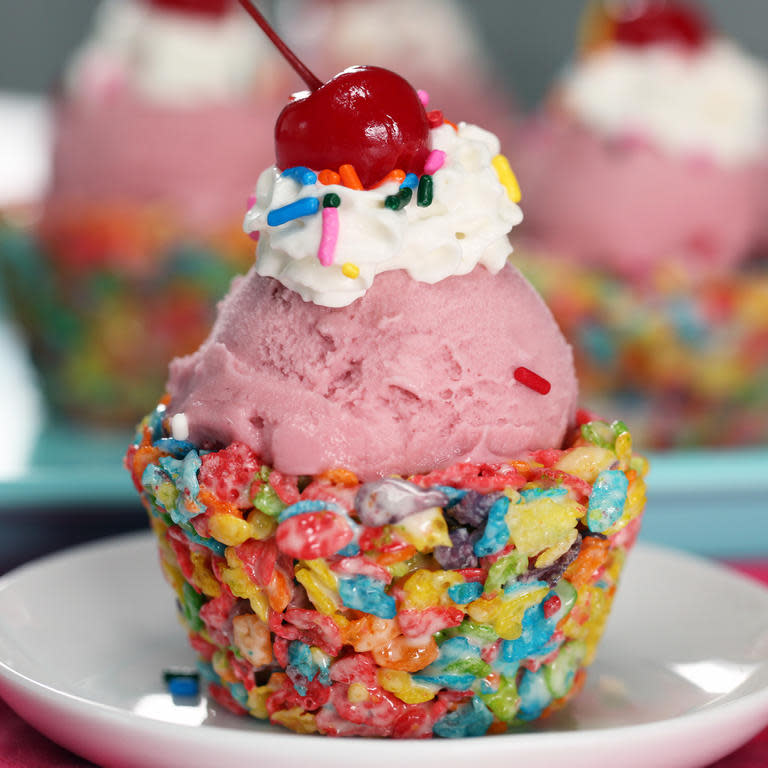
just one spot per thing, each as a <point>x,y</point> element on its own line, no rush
<point>328,177</point>
<point>453,125</point>
<point>397,175</point>
<point>349,177</point>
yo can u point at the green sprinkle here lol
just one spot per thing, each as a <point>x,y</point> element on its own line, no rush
<point>400,200</point>
<point>331,200</point>
<point>424,194</point>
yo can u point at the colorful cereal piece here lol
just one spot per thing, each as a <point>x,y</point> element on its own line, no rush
<point>313,534</point>
<point>368,595</point>
<point>606,504</point>
<point>465,593</point>
<point>535,696</point>
<point>472,719</point>
<point>496,533</point>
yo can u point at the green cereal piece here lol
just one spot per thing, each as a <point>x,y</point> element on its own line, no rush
<point>267,501</point>
<point>485,633</point>
<point>505,569</point>
<point>190,606</point>
<point>504,702</point>
<point>599,433</point>
<point>470,666</point>
<point>166,495</point>
<point>560,673</point>
<point>619,427</point>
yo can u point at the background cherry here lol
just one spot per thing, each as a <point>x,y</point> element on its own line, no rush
<point>206,7</point>
<point>662,22</point>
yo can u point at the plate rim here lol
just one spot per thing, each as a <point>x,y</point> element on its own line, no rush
<point>12,680</point>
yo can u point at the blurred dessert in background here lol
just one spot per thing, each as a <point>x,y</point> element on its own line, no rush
<point>161,120</point>
<point>434,45</point>
<point>644,189</point>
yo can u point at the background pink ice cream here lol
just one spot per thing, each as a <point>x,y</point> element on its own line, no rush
<point>408,378</point>
<point>593,198</point>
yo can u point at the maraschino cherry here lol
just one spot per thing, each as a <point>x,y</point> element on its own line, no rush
<point>367,117</point>
<point>658,21</point>
<point>204,7</point>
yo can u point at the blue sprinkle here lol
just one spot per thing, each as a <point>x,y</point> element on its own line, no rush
<point>606,504</point>
<point>411,181</point>
<point>472,719</point>
<point>177,448</point>
<point>531,494</point>
<point>534,695</point>
<point>302,174</point>
<point>310,505</point>
<point>465,593</point>
<point>302,207</point>
<point>363,593</point>
<point>496,533</point>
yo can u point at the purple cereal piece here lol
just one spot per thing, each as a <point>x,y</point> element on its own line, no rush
<point>461,554</point>
<point>473,509</point>
<point>392,499</point>
<point>554,572</point>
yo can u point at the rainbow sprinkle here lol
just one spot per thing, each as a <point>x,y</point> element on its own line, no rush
<point>532,380</point>
<point>507,177</point>
<point>302,174</point>
<point>329,236</point>
<point>302,207</point>
<point>434,162</point>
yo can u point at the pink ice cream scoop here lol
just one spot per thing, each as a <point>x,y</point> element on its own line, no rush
<point>409,378</point>
<point>629,206</point>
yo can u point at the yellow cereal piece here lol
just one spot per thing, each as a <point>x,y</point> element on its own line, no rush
<point>509,619</point>
<point>425,530</point>
<point>424,588</point>
<point>221,667</point>
<point>235,578</point>
<point>507,177</point>
<point>229,529</point>
<point>324,598</point>
<point>203,576</point>
<point>296,719</point>
<point>401,684</point>
<point>350,270</point>
<point>357,693</point>
<point>320,568</point>
<point>623,447</point>
<point>484,611</point>
<point>262,526</point>
<point>542,523</point>
<point>166,495</point>
<point>174,577</point>
<point>257,696</point>
<point>586,462</point>
<point>548,556</point>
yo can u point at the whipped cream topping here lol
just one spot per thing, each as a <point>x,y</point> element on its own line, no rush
<point>466,224</point>
<point>168,56</point>
<point>712,103</point>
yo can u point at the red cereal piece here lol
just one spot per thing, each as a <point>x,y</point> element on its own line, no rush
<point>429,621</point>
<point>242,670</point>
<point>202,646</point>
<point>280,650</point>
<point>287,697</point>
<point>419,720</point>
<point>215,615</point>
<point>473,574</point>
<point>547,456</point>
<point>229,473</point>
<point>490,653</point>
<point>313,534</point>
<point>380,708</point>
<point>532,380</point>
<point>476,477</point>
<point>361,566</point>
<point>310,627</point>
<point>180,545</point>
<point>551,606</point>
<point>285,486</point>
<point>357,668</point>
<point>259,559</point>
<point>329,723</point>
<point>222,696</point>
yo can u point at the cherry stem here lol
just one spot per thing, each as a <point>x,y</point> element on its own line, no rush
<point>303,72</point>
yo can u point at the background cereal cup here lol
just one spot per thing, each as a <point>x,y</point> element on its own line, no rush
<point>456,603</point>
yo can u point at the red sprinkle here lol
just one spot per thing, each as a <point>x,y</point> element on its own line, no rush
<point>551,606</point>
<point>532,380</point>
<point>435,118</point>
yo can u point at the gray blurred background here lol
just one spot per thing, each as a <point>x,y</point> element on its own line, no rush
<point>530,39</point>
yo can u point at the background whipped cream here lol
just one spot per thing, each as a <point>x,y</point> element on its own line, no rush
<point>712,102</point>
<point>170,57</point>
<point>467,224</point>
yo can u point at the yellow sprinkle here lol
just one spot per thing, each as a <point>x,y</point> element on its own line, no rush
<point>507,177</point>
<point>350,270</point>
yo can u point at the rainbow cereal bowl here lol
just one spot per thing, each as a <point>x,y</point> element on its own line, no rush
<point>106,296</point>
<point>456,603</point>
<point>684,360</point>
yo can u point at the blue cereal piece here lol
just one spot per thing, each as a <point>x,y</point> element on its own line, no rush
<point>239,693</point>
<point>465,593</point>
<point>310,505</point>
<point>454,495</point>
<point>304,206</point>
<point>302,174</point>
<point>472,719</point>
<point>537,632</point>
<point>606,504</point>
<point>534,695</point>
<point>532,494</point>
<point>496,533</point>
<point>176,448</point>
<point>411,181</point>
<point>363,593</point>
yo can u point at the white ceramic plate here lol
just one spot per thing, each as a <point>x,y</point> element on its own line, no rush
<point>681,679</point>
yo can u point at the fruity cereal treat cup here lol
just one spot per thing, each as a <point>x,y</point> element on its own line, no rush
<point>374,496</point>
<point>453,603</point>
